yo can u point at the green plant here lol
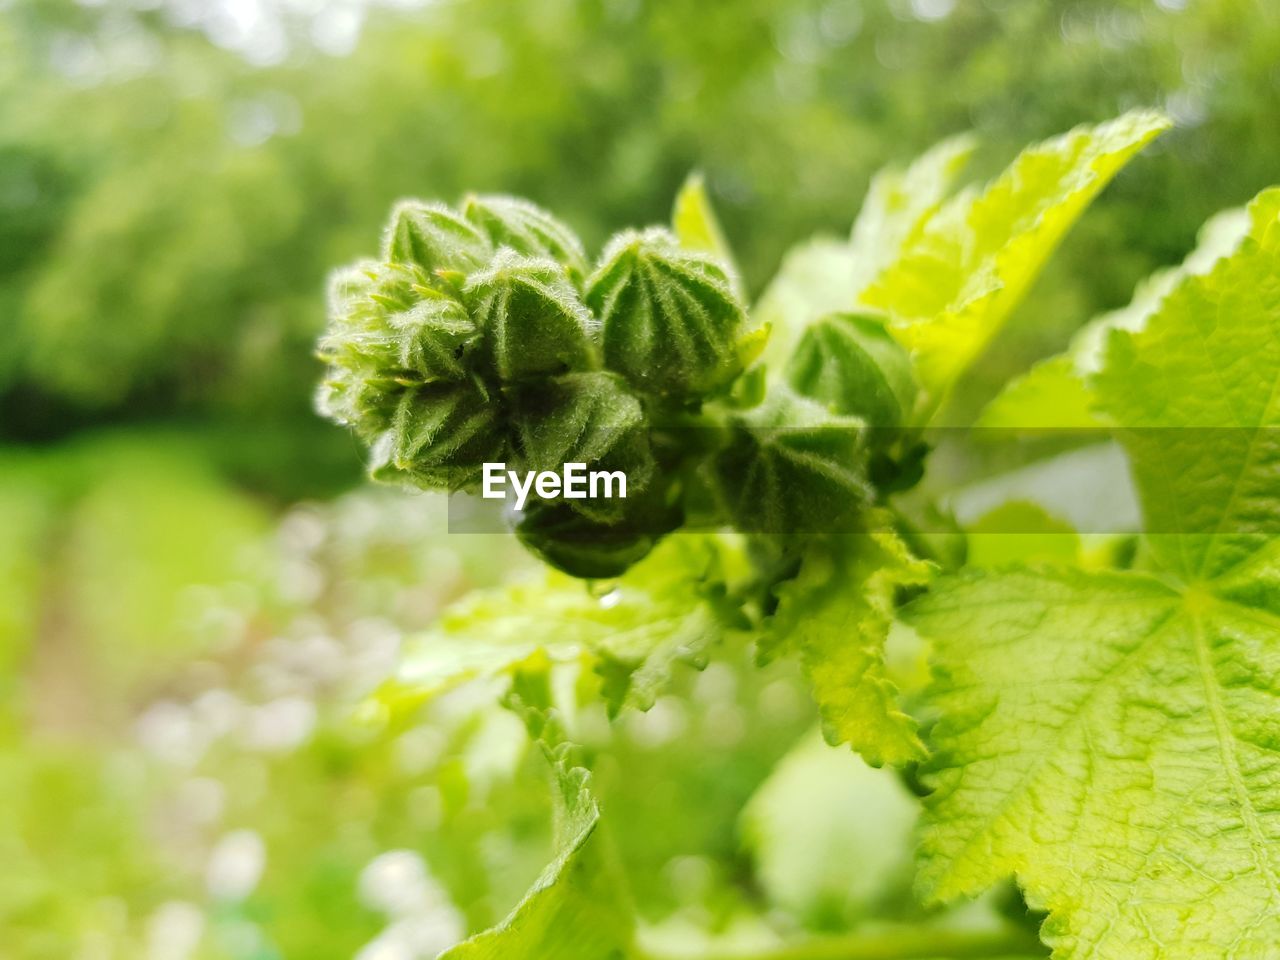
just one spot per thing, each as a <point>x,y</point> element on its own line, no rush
<point>252,187</point>
<point>1100,721</point>
<point>482,335</point>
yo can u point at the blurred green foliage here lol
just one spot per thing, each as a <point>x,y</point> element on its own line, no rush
<point>191,768</point>
<point>169,208</point>
<point>176,667</point>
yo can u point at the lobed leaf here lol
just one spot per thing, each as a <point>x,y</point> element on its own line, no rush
<point>661,612</point>
<point>825,275</point>
<point>898,205</point>
<point>1112,741</point>
<point>835,616</point>
<point>1198,389</point>
<point>1111,738</point>
<point>578,906</point>
<point>1056,392</point>
<point>968,264</point>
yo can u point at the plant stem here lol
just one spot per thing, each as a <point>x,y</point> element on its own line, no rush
<point>904,944</point>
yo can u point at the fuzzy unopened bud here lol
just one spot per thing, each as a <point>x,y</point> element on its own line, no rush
<point>440,436</point>
<point>588,418</point>
<point>532,319</point>
<point>434,237</point>
<point>527,229</point>
<point>851,364</point>
<point>670,322</point>
<point>792,466</point>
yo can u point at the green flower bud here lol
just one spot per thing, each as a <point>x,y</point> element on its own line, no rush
<point>670,322</point>
<point>584,547</point>
<point>589,418</point>
<point>531,317</point>
<point>791,466</point>
<point>365,403</point>
<point>435,238</point>
<point>385,322</point>
<point>851,363</point>
<point>440,436</point>
<point>527,229</point>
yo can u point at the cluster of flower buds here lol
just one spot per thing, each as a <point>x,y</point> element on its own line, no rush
<point>484,335</point>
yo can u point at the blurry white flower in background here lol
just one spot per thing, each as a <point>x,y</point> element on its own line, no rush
<point>218,711</point>
<point>280,725</point>
<point>201,800</point>
<point>423,920</point>
<point>421,938</point>
<point>235,866</point>
<point>169,731</point>
<point>397,883</point>
<point>262,30</point>
<point>174,931</point>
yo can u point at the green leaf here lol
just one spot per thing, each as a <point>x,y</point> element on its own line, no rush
<point>1051,394</point>
<point>1021,532</point>
<point>898,205</point>
<point>970,263</point>
<point>663,611</point>
<point>835,616</point>
<point>826,867</point>
<point>825,275</point>
<point>694,222</point>
<point>1112,742</point>
<point>1199,391</point>
<point>1056,392</point>
<point>578,906</point>
<point>575,908</point>
<point>815,279</point>
<point>1111,737</point>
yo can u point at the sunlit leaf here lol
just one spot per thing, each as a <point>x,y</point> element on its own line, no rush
<point>966,268</point>
<point>633,631</point>
<point>1110,738</point>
